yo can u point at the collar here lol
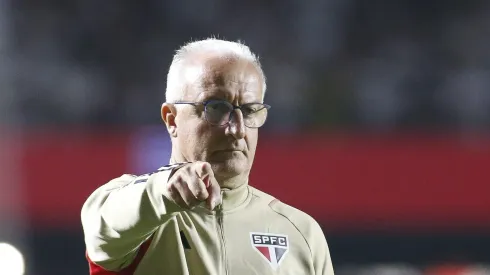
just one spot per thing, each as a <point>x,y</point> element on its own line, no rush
<point>232,198</point>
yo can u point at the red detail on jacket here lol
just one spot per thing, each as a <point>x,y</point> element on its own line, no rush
<point>129,270</point>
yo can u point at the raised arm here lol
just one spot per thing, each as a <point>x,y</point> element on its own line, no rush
<point>121,215</point>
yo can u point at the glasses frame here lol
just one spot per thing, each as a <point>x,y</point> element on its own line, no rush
<point>235,107</point>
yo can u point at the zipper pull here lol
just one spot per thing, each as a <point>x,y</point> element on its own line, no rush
<point>219,209</point>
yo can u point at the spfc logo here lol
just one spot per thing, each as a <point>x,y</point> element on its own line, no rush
<point>272,247</point>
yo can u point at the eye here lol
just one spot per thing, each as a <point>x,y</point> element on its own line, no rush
<point>218,105</point>
<point>251,108</point>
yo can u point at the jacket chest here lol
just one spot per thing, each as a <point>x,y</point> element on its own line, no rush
<point>237,244</point>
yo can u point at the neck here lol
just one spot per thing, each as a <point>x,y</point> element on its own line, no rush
<point>177,159</point>
<point>234,198</point>
<point>232,182</point>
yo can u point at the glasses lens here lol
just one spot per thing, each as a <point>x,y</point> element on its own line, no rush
<point>218,112</point>
<point>254,114</point>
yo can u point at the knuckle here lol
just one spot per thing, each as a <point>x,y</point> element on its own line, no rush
<point>169,187</point>
<point>176,179</point>
<point>206,166</point>
<point>187,168</point>
<point>169,193</point>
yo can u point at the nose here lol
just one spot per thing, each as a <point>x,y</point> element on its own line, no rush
<point>236,126</point>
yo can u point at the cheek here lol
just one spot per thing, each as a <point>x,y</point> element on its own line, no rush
<point>188,124</point>
<point>252,138</point>
<point>194,135</point>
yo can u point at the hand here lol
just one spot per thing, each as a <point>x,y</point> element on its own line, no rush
<point>193,184</point>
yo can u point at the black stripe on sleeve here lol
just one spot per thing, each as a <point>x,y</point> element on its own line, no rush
<point>144,178</point>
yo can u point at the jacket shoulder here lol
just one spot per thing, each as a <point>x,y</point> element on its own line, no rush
<point>304,223</point>
<point>301,220</point>
<point>120,181</point>
<point>261,196</point>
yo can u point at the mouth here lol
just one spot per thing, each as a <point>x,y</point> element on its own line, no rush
<point>228,154</point>
<point>231,150</point>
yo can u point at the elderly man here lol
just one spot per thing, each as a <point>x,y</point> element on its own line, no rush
<point>198,215</point>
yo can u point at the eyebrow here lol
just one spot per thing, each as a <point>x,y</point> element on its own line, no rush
<point>217,93</point>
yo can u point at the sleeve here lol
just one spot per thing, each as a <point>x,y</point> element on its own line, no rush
<point>121,215</point>
<point>320,251</point>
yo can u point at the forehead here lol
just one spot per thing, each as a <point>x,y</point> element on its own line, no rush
<point>228,78</point>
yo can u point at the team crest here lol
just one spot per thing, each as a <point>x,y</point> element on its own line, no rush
<point>272,247</point>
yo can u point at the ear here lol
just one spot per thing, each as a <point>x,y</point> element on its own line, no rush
<point>169,113</point>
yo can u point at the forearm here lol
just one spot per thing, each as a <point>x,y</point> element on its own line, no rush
<point>118,217</point>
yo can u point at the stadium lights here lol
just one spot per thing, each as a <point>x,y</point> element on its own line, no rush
<point>11,260</point>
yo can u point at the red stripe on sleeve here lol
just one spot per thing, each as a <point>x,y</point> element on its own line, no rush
<point>129,270</point>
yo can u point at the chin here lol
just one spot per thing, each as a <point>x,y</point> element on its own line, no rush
<point>229,168</point>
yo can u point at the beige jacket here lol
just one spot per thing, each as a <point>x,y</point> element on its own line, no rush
<point>130,228</point>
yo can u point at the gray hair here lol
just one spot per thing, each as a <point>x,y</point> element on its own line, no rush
<point>176,85</point>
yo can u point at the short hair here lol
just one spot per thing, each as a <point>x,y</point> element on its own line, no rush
<point>176,86</point>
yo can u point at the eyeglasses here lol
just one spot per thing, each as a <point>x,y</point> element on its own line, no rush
<point>219,112</point>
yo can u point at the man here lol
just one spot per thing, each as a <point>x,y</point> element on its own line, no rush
<point>198,215</point>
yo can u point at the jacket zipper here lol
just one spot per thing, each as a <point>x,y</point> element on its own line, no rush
<point>221,233</point>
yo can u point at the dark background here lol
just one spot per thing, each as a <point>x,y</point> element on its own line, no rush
<point>381,113</point>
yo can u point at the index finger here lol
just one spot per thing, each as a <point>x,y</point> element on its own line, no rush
<point>214,191</point>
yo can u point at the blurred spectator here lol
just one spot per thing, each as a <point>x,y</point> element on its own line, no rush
<point>379,269</point>
<point>421,64</point>
<point>453,269</point>
<point>413,66</point>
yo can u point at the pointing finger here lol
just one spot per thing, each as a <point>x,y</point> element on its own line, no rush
<point>214,191</point>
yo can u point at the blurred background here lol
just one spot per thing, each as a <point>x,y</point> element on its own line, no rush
<point>381,110</point>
